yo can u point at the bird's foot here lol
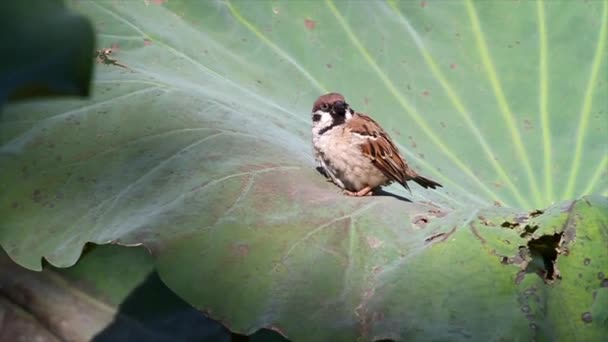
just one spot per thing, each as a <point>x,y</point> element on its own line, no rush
<point>367,191</point>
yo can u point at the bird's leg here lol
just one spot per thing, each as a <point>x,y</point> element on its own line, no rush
<point>367,191</point>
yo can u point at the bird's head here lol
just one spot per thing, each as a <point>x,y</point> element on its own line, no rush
<point>330,110</point>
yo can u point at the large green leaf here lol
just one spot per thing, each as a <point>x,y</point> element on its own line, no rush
<point>197,145</point>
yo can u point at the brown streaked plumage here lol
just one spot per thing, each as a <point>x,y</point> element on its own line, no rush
<point>355,152</point>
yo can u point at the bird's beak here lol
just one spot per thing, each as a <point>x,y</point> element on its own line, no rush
<point>339,107</point>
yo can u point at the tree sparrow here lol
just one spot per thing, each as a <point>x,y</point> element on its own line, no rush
<point>355,152</point>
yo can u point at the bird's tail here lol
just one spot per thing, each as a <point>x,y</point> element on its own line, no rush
<point>425,182</point>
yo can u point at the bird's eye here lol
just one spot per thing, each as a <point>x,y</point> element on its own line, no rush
<point>325,106</point>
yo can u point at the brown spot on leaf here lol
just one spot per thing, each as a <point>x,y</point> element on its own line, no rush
<point>520,277</point>
<point>420,221</point>
<point>373,242</point>
<point>587,261</point>
<point>309,24</point>
<point>485,221</point>
<point>147,42</point>
<point>36,195</point>
<point>437,212</point>
<point>240,250</point>
<point>453,66</point>
<point>412,142</point>
<point>604,283</point>
<point>433,237</point>
<point>442,236</point>
<point>477,235</point>
<point>426,93</point>
<point>586,317</point>
<point>423,3</point>
<point>443,124</point>
<point>15,205</point>
<point>329,66</point>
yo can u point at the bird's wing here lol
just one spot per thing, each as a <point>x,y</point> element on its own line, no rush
<point>380,149</point>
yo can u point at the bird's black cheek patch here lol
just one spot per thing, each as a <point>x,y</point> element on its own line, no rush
<point>316,117</point>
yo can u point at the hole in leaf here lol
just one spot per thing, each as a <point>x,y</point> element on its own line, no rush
<point>544,252</point>
<point>536,213</point>
<point>420,221</point>
<point>508,224</point>
<point>433,237</point>
<point>528,230</point>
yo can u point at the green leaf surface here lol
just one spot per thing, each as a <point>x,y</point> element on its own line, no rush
<point>198,147</point>
<point>47,50</point>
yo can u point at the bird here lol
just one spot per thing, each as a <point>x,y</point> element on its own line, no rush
<point>354,152</point>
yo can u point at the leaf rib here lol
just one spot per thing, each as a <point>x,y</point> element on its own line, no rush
<point>135,81</point>
<point>348,271</point>
<point>21,140</point>
<point>237,15</point>
<point>412,157</point>
<point>406,105</point>
<point>144,138</point>
<point>457,103</point>
<point>502,100</point>
<point>242,195</point>
<point>543,100</point>
<point>597,175</point>
<point>149,172</point>
<point>587,103</point>
<point>230,176</point>
<point>319,228</point>
<point>200,66</point>
<point>118,36</point>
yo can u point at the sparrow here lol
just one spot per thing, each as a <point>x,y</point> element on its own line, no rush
<point>354,152</point>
